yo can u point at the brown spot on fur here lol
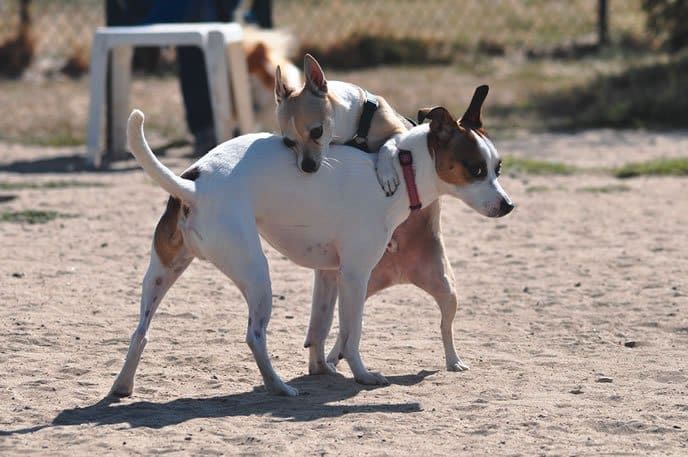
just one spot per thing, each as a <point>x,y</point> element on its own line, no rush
<point>192,174</point>
<point>454,147</point>
<point>257,58</point>
<point>158,281</point>
<point>168,239</point>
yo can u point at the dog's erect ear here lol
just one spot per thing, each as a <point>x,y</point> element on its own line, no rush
<point>315,77</point>
<point>472,117</point>
<point>282,90</point>
<point>440,118</point>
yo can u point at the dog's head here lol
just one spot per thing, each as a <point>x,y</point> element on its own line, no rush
<point>305,115</point>
<point>262,60</point>
<point>467,163</point>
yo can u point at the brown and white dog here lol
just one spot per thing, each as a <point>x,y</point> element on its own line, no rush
<point>265,51</point>
<point>267,200</point>
<point>416,253</point>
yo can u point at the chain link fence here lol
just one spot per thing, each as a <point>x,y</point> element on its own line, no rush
<point>62,28</point>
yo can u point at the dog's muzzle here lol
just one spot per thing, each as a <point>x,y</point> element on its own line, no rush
<point>505,207</point>
<point>309,165</point>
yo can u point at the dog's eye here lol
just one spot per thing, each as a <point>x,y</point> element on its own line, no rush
<point>316,132</point>
<point>288,142</point>
<point>477,172</point>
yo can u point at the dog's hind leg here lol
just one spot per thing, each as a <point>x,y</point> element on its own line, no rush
<point>157,281</point>
<point>437,279</point>
<point>322,311</point>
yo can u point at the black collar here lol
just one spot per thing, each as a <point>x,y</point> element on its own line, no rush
<point>360,140</point>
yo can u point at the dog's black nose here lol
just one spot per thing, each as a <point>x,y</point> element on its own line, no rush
<point>309,165</point>
<point>505,207</point>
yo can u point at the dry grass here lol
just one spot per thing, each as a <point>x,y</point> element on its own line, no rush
<point>65,25</point>
<point>469,22</point>
<point>54,112</point>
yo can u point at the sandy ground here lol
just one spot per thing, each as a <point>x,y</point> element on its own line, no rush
<point>550,296</point>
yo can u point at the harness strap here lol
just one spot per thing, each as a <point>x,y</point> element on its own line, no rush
<point>360,140</point>
<point>406,162</point>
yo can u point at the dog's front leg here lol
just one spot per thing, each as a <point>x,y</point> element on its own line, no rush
<point>258,293</point>
<point>322,311</point>
<point>353,284</point>
<point>386,173</point>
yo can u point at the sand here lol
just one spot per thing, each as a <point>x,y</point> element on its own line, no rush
<point>551,298</point>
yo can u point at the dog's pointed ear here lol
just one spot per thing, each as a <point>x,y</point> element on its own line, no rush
<point>282,90</point>
<point>472,118</point>
<point>423,114</point>
<point>440,118</point>
<point>315,77</point>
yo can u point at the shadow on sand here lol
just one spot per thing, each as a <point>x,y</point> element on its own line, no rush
<point>63,164</point>
<point>76,163</point>
<point>314,402</point>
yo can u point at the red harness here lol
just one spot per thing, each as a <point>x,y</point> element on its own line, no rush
<point>406,161</point>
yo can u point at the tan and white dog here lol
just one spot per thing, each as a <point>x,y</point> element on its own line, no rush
<point>323,112</point>
<point>244,189</point>
<point>265,51</point>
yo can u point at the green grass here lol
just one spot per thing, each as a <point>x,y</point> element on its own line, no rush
<point>58,139</point>
<point>657,167</point>
<point>537,189</point>
<point>537,167</point>
<point>48,185</point>
<point>32,216</point>
<point>608,189</point>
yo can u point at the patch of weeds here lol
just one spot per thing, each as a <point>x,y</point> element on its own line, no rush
<point>362,50</point>
<point>608,189</point>
<point>537,167</point>
<point>58,139</point>
<point>32,216</point>
<point>656,167</point>
<point>49,185</point>
<point>645,95</point>
<point>537,189</point>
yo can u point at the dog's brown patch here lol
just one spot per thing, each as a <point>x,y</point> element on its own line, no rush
<point>455,149</point>
<point>168,239</point>
<point>257,58</point>
<point>456,156</point>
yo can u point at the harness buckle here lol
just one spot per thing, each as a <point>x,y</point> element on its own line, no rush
<point>359,140</point>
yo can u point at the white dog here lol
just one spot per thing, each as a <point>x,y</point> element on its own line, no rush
<point>337,219</point>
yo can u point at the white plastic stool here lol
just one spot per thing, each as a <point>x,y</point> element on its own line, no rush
<point>222,48</point>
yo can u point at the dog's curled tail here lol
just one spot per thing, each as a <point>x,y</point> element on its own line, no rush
<point>181,188</point>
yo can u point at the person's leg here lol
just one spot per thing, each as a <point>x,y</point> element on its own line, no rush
<point>193,77</point>
<point>120,12</point>
<point>195,93</point>
<point>260,14</point>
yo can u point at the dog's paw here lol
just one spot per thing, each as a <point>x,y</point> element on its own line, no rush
<point>387,176</point>
<point>322,368</point>
<point>334,357</point>
<point>457,366</point>
<point>284,390</point>
<point>371,378</point>
<point>121,390</point>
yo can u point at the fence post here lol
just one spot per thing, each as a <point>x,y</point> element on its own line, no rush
<point>602,23</point>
